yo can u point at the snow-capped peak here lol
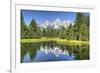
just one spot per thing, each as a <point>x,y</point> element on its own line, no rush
<point>45,24</point>
<point>57,20</point>
<point>57,24</point>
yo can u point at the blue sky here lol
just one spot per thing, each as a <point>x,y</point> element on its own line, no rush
<point>51,16</point>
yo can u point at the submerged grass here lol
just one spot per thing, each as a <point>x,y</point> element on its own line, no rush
<point>57,40</point>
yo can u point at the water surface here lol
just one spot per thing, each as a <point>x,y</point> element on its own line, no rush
<point>51,51</point>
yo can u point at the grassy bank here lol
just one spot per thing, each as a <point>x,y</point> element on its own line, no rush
<point>57,40</point>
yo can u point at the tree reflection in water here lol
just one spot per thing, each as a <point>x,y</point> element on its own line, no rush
<point>51,51</point>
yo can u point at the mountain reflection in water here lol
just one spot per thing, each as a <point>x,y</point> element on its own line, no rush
<point>51,51</point>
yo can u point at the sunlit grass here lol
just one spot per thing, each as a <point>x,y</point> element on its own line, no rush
<point>72,42</point>
<point>57,40</point>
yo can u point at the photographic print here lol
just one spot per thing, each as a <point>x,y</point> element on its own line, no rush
<point>47,36</point>
<point>54,36</point>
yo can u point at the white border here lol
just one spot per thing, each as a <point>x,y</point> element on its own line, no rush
<point>16,66</point>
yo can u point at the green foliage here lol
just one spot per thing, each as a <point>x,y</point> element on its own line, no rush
<point>24,28</point>
<point>33,29</point>
<point>77,31</point>
<point>70,32</point>
<point>81,27</point>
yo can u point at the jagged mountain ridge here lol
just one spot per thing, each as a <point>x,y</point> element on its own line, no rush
<point>57,24</point>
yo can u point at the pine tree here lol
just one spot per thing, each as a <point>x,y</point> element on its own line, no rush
<point>23,27</point>
<point>69,32</point>
<point>33,28</point>
<point>81,27</point>
<point>77,27</point>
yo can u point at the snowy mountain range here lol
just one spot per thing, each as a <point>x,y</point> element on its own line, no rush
<point>57,24</point>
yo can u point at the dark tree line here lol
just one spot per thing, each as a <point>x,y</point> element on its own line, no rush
<point>77,31</point>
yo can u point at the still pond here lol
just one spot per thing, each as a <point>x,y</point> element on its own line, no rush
<point>51,51</point>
